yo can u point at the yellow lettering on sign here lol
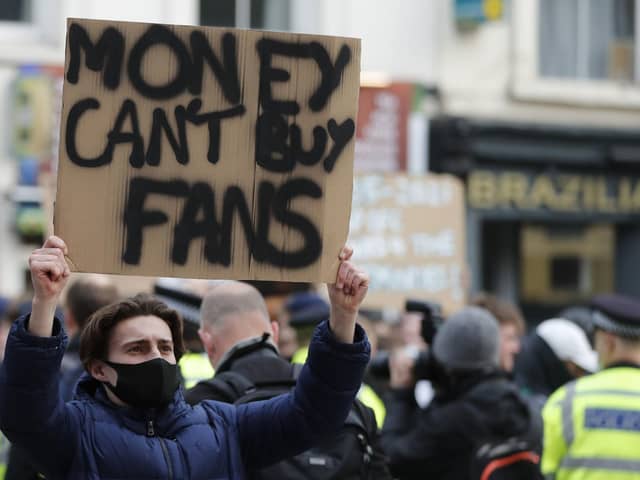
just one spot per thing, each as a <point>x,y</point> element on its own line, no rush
<point>567,199</point>
<point>629,196</point>
<point>513,190</point>
<point>624,196</point>
<point>543,193</point>
<point>481,190</point>
<point>605,202</point>
<point>562,193</point>
<point>588,194</point>
<point>635,197</point>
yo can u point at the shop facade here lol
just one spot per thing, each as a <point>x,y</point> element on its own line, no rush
<point>553,212</point>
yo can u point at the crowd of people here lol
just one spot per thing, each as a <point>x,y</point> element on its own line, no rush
<point>100,386</point>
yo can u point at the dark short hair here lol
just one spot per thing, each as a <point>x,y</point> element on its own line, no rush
<point>85,297</point>
<point>94,341</point>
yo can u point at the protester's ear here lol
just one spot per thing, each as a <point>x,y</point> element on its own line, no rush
<point>275,332</point>
<point>103,372</point>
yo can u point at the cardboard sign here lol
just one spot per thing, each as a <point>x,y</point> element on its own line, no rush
<point>206,152</point>
<point>408,233</point>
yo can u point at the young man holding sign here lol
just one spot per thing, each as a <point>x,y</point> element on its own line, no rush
<point>129,419</point>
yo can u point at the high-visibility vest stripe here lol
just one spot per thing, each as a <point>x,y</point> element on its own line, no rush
<point>566,405</point>
<point>586,393</point>
<point>568,432</point>
<point>601,464</point>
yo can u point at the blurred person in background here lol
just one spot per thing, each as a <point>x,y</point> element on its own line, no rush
<point>581,316</point>
<point>240,340</point>
<point>303,311</point>
<point>592,425</point>
<point>367,393</point>
<point>410,331</point>
<point>474,403</point>
<point>512,326</point>
<point>236,331</point>
<point>557,352</point>
<point>84,297</point>
<point>185,296</point>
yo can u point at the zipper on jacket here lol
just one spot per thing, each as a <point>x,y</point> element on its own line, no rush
<point>151,432</point>
<point>166,457</point>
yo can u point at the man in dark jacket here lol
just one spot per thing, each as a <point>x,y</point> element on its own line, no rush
<point>555,354</point>
<point>130,420</point>
<point>474,403</point>
<point>240,338</point>
<point>238,335</point>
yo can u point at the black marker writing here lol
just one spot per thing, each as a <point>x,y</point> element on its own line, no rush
<point>128,113</point>
<point>198,220</point>
<point>107,54</point>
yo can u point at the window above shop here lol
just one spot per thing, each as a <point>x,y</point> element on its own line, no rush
<point>582,52</point>
<point>587,39</point>
<point>260,14</point>
<point>15,11</point>
<point>30,31</point>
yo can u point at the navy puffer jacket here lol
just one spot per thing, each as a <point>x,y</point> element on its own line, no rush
<point>90,438</point>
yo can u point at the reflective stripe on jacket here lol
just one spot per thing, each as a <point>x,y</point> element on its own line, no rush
<point>592,427</point>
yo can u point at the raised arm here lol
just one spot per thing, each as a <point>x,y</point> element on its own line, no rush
<point>326,387</point>
<point>49,275</point>
<point>346,296</point>
<point>32,414</point>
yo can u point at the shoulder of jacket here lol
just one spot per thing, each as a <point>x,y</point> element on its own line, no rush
<point>218,411</point>
<point>557,397</point>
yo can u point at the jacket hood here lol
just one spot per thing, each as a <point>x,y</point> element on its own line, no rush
<point>500,396</point>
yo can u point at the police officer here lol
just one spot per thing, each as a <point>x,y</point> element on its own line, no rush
<point>592,425</point>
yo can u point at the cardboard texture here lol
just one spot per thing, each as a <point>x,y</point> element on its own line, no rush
<point>409,235</point>
<point>206,152</point>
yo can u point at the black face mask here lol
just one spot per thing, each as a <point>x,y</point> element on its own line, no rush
<point>149,384</point>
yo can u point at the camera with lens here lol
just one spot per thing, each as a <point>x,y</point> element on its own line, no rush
<point>431,319</point>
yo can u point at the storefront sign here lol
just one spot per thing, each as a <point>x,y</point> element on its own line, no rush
<point>558,192</point>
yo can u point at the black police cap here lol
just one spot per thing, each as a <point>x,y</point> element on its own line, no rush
<point>310,316</point>
<point>618,314</point>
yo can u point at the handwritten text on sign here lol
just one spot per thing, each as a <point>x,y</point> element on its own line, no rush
<point>216,151</point>
<point>409,233</point>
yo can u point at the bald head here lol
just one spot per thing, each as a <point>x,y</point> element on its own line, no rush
<point>229,301</point>
<point>232,312</point>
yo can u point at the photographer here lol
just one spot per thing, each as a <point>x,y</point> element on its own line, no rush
<point>474,406</point>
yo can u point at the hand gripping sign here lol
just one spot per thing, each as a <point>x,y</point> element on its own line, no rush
<point>206,152</point>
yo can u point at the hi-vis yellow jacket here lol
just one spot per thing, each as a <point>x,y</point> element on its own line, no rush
<point>592,428</point>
